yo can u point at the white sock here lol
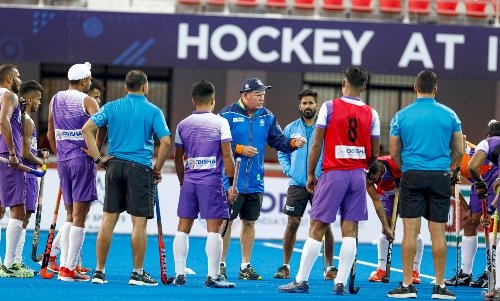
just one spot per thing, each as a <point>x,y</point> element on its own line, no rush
<point>64,243</point>
<point>346,259</point>
<point>12,236</point>
<point>75,244</point>
<point>469,248</point>
<point>20,246</point>
<point>310,253</point>
<point>244,265</point>
<point>382,247</point>
<point>418,254</point>
<point>56,244</point>
<point>213,248</point>
<point>181,249</point>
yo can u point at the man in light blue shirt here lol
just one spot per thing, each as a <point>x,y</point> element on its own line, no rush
<point>132,121</point>
<point>425,139</point>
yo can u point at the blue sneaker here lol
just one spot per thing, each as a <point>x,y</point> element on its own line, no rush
<point>295,287</point>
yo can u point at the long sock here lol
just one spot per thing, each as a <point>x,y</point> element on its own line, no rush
<point>75,244</point>
<point>418,254</point>
<point>213,248</point>
<point>12,236</point>
<point>382,247</point>
<point>80,258</point>
<point>310,253</point>
<point>56,244</point>
<point>469,248</point>
<point>181,249</point>
<point>346,259</point>
<point>65,229</point>
<point>20,246</point>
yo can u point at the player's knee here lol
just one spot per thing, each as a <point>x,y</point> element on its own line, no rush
<point>293,223</point>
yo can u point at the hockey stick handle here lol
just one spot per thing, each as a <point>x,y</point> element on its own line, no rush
<point>26,169</point>
<point>38,219</point>
<point>489,262</point>
<point>235,185</point>
<point>394,218</point>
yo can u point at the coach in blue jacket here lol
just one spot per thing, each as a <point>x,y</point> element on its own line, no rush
<point>252,127</point>
<point>294,165</point>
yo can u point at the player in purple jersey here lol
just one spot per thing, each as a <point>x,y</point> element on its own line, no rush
<point>12,192</point>
<point>205,140</point>
<point>32,93</point>
<point>68,112</point>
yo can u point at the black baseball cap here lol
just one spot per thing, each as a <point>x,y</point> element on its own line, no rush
<point>253,84</point>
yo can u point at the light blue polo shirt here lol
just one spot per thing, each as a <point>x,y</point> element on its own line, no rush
<point>131,122</point>
<point>425,128</point>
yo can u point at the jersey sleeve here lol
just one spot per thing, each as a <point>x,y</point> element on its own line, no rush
<point>101,117</point>
<point>483,146</point>
<point>160,127</point>
<point>457,124</point>
<point>395,131</point>
<point>178,138</point>
<point>375,130</point>
<point>225,131</point>
<point>322,116</point>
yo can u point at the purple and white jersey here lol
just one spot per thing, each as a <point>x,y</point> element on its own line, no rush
<point>201,135</point>
<point>34,151</point>
<point>491,146</point>
<point>69,116</point>
<point>15,123</point>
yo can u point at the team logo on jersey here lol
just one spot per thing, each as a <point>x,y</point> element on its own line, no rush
<point>68,134</point>
<point>201,163</point>
<point>33,143</point>
<point>238,119</point>
<point>349,152</point>
<point>262,122</point>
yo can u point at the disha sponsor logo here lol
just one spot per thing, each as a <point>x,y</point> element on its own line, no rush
<point>68,134</point>
<point>349,152</point>
<point>201,163</point>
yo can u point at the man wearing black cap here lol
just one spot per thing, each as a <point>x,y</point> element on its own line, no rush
<point>252,127</point>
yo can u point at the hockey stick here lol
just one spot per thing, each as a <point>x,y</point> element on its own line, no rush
<point>457,226</point>
<point>235,184</point>
<point>161,244</point>
<point>38,219</point>
<point>494,245</point>
<point>323,246</point>
<point>50,239</point>
<point>25,168</point>
<point>352,275</point>
<point>488,251</point>
<point>394,218</point>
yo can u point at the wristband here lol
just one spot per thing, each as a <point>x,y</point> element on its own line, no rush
<point>239,149</point>
<point>98,160</point>
<point>481,185</point>
<point>490,209</point>
<point>12,155</point>
<point>231,180</point>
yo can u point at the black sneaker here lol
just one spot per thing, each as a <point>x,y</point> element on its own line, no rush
<point>463,279</point>
<point>144,279</point>
<point>219,282</point>
<point>222,270</point>
<point>295,287</point>
<point>403,292</point>
<point>439,292</point>
<point>481,281</point>
<point>99,277</point>
<point>180,280</point>
<point>283,272</point>
<point>249,273</point>
<point>339,289</point>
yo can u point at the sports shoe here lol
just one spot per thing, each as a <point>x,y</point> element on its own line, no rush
<point>219,282</point>
<point>99,278</point>
<point>27,267</point>
<point>249,273</point>
<point>283,272</point>
<point>331,273</point>
<point>82,270</point>
<point>377,276</point>
<point>222,270</point>
<point>492,295</point>
<point>60,272</point>
<point>481,281</point>
<point>52,265</point>
<point>73,276</point>
<point>439,292</point>
<point>463,279</point>
<point>16,271</point>
<point>180,280</point>
<point>295,287</point>
<point>339,289</point>
<point>144,279</point>
<point>416,278</point>
<point>403,292</point>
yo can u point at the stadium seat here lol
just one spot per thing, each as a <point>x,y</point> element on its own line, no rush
<point>390,6</point>
<point>247,3</point>
<point>190,2</point>
<point>446,7</point>
<point>361,5</point>
<point>335,5</point>
<point>304,4</point>
<point>419,7</point>
<point>276,3</point>
<point>216,2</point>
<point>475,8</point>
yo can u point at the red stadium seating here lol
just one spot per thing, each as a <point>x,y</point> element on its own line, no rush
<point>419,6</point>
<point>276,3</point>
<point>390,6</point>
<point>246,3</point>
<point>447,7</point>
<point>337,5</point>
<point>475,8</point>
<point>304,4</point>
<point>361,5</point>
<point>216,2</point>
<point>190,2</point>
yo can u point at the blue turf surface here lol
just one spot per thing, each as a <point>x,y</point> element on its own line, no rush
<point>266,259</point>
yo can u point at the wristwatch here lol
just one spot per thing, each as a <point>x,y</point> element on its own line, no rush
<point>98,160</point>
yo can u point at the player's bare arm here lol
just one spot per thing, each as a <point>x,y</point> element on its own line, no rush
<point>179,163</point>
<point>9,103</point>
<point>395,146</point>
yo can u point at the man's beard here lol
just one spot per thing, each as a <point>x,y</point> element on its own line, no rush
<point>15,88</point>
<point>308,114</point>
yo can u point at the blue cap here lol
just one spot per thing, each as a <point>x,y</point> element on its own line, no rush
<point>253,84</point>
